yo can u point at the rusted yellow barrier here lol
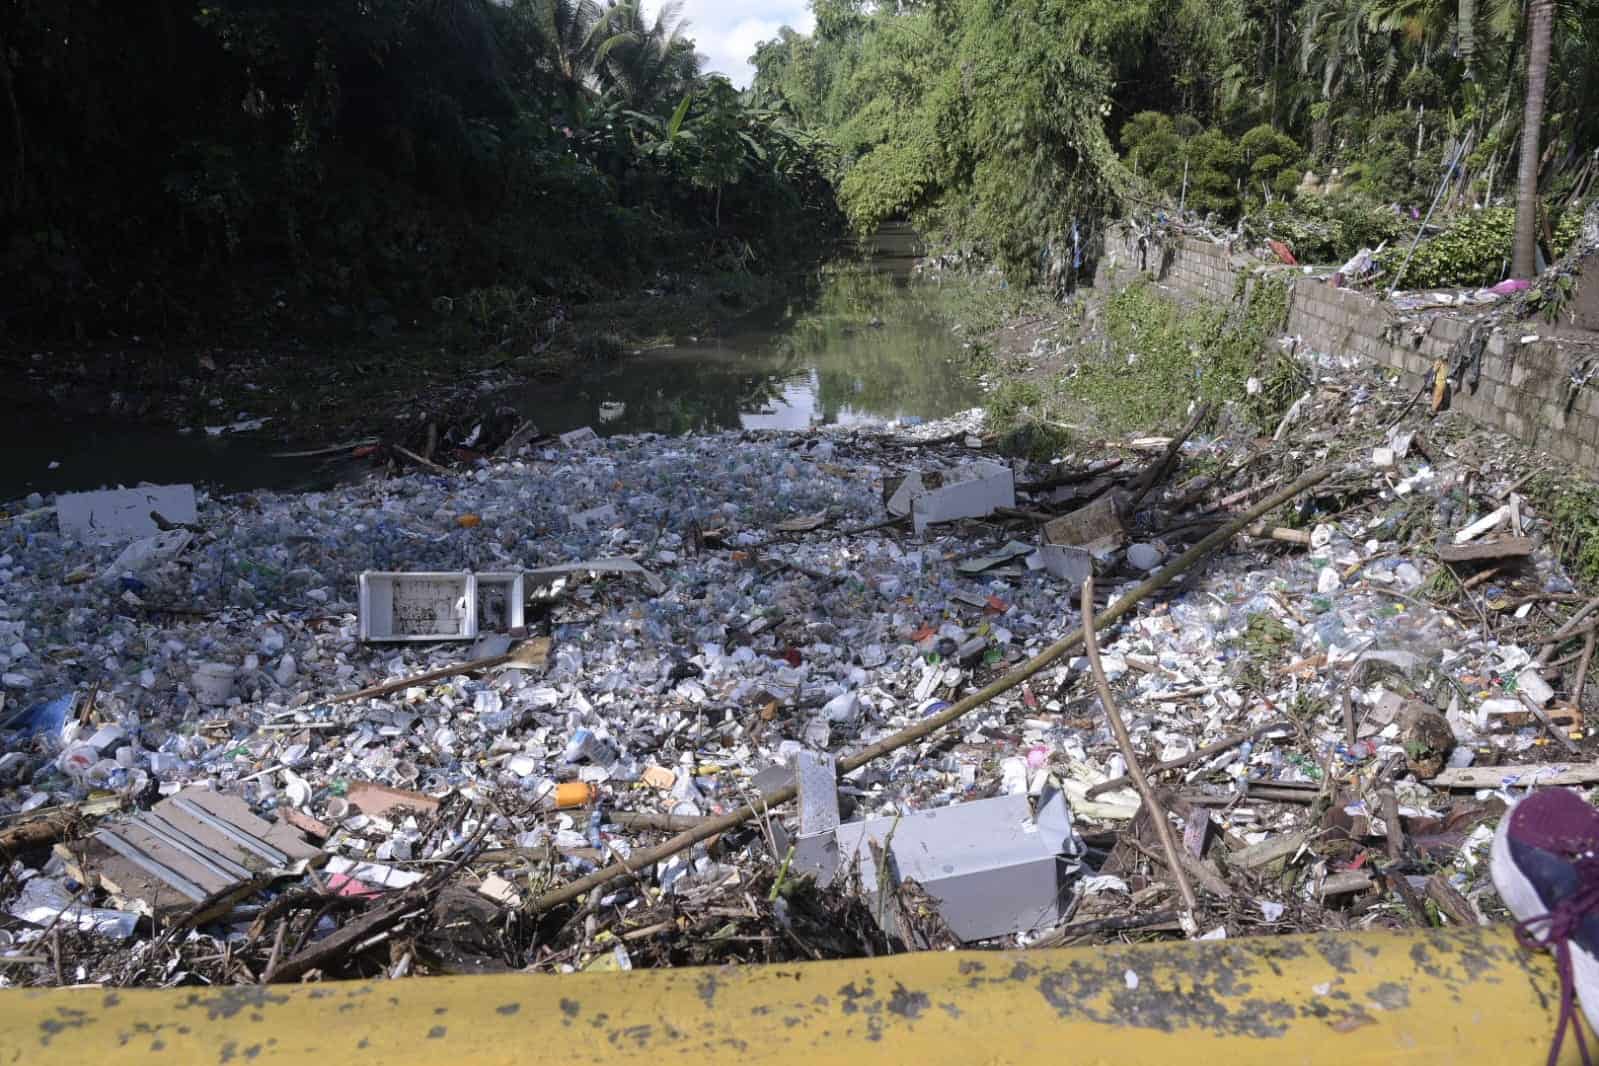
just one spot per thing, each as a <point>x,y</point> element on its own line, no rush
<point>1467,996</point>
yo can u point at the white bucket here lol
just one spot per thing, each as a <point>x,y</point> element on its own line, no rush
<point>213,683</point>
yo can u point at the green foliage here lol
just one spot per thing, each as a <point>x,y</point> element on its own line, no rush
<point>982,122</point>
<point>990,124</point>
<point>1266,636</point>
<point>1208,171</point>
<point>1389,168</point>
<point>1039,441</point>
<point>1323,229</point>
<point>1572,506</point>
<point>1008,405</point>
<point>1178,355</point>
<point>1473,250</point>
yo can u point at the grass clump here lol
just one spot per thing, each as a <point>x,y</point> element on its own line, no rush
<point>1161,355</point>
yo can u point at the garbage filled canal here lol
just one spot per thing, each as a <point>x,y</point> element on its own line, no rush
<point>545,713</point>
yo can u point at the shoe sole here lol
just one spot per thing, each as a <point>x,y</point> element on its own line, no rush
<point>1524,902</point>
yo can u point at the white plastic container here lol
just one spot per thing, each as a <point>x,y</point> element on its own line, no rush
<point>213,684</point>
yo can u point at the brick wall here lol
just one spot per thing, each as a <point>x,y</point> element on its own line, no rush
<point>1522,389</point>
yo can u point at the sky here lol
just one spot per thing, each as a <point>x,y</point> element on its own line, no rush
<point>727,31</point>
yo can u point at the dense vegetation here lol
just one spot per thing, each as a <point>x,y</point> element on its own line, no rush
<point>177,163</point>
<point>1006,127</point>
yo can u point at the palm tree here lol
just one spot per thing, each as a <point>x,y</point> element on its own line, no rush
<point>643,63</point>
<point>1336,46</point>
<point>1540,34</point>
<point>571,31</point>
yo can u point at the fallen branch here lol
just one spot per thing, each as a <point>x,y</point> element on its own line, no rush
<point>1120,923</point>
<point>1548,724</point>
<point>721,824</point>
<point>1192,757</point>
<point>1390,820</point>
<point>1124,740</point>
<point>1154,475</point>
<point>672,823</point>
<point>348,937</point>
<point>37,832</point>
<point>394,909</point>
<point>1071,477</point>
<point>1582,674</point>
<point>1201,870</point>
<point>1566,631</point>
<point>1449,900</point>
<point>532,653</point>
<point>419,461</point>
<point>331,449</point>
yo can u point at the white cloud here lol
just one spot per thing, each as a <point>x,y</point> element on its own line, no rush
<point>727,31</point>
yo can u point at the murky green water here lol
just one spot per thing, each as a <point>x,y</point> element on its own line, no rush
<point>865,350</point>
<point>860,347</point>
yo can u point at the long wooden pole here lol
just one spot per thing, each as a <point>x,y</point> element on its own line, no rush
<point>1124,740</point>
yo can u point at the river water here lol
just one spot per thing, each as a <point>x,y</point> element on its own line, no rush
<point>858,347</point>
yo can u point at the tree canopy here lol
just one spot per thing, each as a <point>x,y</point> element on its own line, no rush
<point>157,159</point>
<point>1006,125</point>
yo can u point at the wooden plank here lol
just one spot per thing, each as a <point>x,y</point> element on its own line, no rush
<point>1503,548</point>
<point>1475,777</point>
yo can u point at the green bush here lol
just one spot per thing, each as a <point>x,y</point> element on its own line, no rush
<point>1329,229</point>
<point>1473,250</point>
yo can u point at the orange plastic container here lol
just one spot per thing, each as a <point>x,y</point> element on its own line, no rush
<point>570,794</point>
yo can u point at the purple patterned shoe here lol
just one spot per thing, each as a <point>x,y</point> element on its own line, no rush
<point>1546,868</point>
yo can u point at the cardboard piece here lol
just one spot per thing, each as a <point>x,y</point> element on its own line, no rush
<point>113,515</point>
<point>1096,528</point>
<point>970,491</point>
<point>372,798</point>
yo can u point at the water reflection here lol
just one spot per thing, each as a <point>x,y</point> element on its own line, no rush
<point>861,349</point>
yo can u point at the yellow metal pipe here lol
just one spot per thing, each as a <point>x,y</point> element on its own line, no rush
<point>1462,997</point>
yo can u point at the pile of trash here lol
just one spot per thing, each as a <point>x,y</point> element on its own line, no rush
<point>522,713</point>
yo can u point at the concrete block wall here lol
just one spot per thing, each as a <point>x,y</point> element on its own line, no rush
<point>1522,387</point>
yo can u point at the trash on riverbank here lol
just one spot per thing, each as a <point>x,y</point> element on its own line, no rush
<point>1322,707</point>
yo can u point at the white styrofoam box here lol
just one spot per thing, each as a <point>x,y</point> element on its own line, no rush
<point>418,606</point>
<point>124,514</point>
